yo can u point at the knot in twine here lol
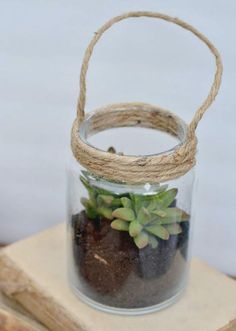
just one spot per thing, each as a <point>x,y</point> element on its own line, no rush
<point>139,169</point>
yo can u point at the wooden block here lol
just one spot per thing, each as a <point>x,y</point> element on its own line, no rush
<point>15,318</point>
<point>33,272</point>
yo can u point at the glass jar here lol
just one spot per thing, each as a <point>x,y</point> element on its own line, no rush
<point>128,244</point>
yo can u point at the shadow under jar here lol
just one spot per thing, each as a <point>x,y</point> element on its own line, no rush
<point>128,244</point>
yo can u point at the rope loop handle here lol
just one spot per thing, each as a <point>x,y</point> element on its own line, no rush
<point>148,168</point>
<point>217,79</point>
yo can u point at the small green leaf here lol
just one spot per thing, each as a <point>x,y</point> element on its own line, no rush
<point>153,242</point>
<point>155,221</point>
<point>126,202</point>
<point>160,213</point>
<point>102,191</point>
<point>144,216</point>
<point>158,231</point>
<point>152,204</point>
<point>116,202</point>
<point>125,214</point>
<point>173,228</point>
<point>141,240</point>
<point>107,199</point>
<point>135,228</point>
<point>137,202</point>
<point>120,225</point>
<point>85,183</point>
<point>91,191</point>
<point>105,212</point>
<point>91,212</point>
<point>85,202</point>
<point>174,215</point>
<point>164,199</point>
<point>92,198</point>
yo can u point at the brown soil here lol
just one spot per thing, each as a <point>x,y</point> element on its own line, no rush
<point>114,272</point>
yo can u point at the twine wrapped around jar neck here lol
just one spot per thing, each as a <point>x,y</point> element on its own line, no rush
<point>139,169</point>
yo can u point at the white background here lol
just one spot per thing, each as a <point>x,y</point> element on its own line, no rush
<point>41,49</point>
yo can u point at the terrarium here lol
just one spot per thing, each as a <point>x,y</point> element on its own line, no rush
<point>130,216</point>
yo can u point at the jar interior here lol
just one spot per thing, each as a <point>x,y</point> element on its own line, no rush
<point>134,141</point>
<point>141,135</point>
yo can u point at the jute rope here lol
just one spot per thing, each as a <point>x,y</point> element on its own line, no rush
<point>139,169</point>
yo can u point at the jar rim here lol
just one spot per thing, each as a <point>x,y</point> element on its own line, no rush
<point>87,130</point>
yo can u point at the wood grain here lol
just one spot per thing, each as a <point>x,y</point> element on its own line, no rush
<point>14,317</point>
<point>229,327</point>
<point>10,322</point>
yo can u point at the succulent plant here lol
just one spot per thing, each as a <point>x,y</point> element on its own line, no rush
<point>146,218</point>
<point>100,203</point>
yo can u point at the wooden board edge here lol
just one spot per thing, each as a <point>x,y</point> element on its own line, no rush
<point>229,327</point>
<point>13,308</point>
<point>9,321</point>
<point>18,286</point>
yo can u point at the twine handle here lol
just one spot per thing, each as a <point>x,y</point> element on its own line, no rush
<point>217,78</point>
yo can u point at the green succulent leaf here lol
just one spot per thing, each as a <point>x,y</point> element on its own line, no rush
<point>85,202</point>
<point>135,228</point>
<point>153,242</point>
<point>173,229</point>
<point>91,212</point>
<point>102,191</point>
<point>94,189</point>
<point>158,231</point>
<point>120,225</point>
<point>173,215</point>
<point>141,240</point>
<point>92,198</point>
<point>137,201</point>
<point>116,202</point>
<point>126,214</point>
<point>160,213</point>
<point>107,199</point>
<point>147,201</point>
<point>85,183</point>
<point>89,208</point>
<point>126,202</point>
<point>152,204</point>
<point>164,199</point>
<point>105,212</point>
<point>144,216</point>
<point>91,192</point>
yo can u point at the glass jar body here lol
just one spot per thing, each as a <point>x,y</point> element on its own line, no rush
<point>128,245</point>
